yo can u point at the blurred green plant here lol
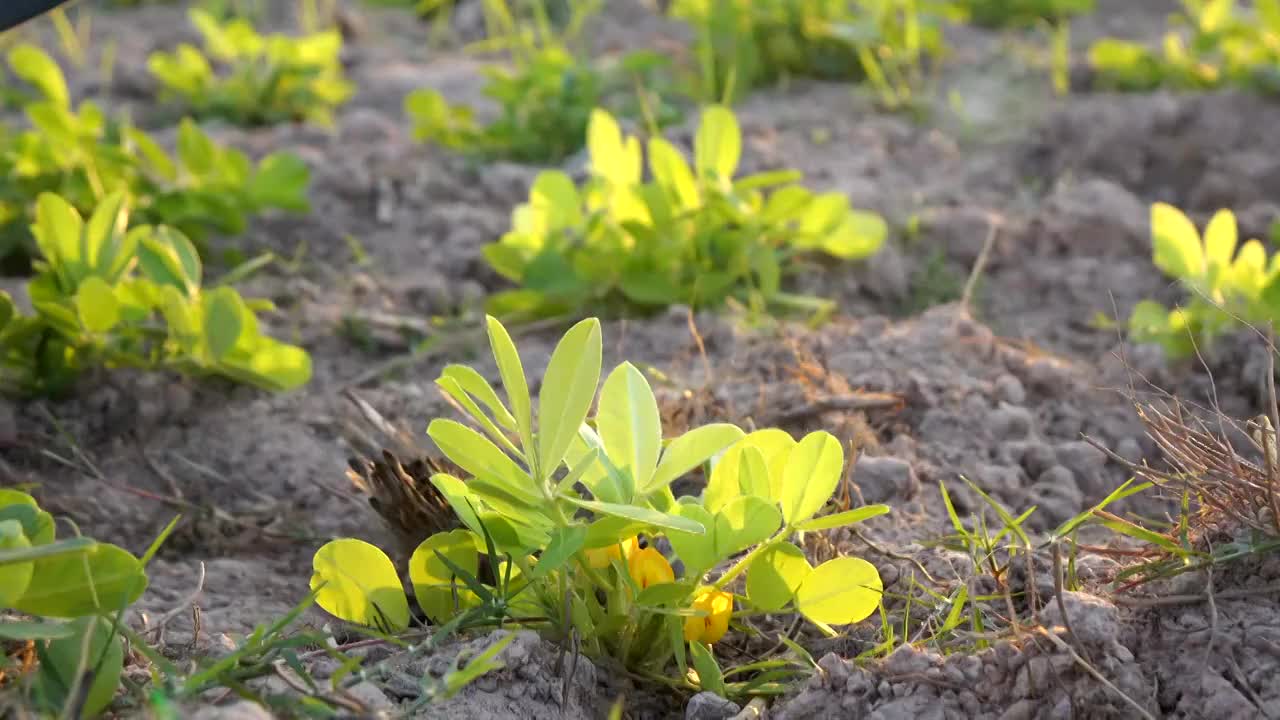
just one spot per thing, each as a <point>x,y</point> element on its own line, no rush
<point>1211,43</point>
<point>1014,13</point>
<point>83,156</point>
<point>251,79</point>
<point>106,295</point>
<point>746,44</point>
<point>1229,283</point>
<point>690,234</point>
<point>74,591</point>
<point>556,512</point>
<point>546,95</point>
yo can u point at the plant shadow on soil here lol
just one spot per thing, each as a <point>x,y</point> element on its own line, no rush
<point>1004,400</point>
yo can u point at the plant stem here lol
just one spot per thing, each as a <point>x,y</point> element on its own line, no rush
<point>747,559</point>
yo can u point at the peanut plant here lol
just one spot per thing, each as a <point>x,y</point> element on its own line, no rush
<point>83,155</point>
<point>566,514</point>
<point>1228,283</point>
<point>745,44</point>
<point>251,79</point>
<point>691,234</point>
<point>1212,43</point>
<point>108,295</point>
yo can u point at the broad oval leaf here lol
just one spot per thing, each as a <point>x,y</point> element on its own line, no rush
<point>568,387</point>
<point>690,450</point>
<point>434,582</point>
<point>696,550</point>
<point>717,145</point>
<point>14,577</point>
<point>96,305</point>
<point>39,531</point>
<point>629,426</point>
<point>104,579</point>
<point>61,664</point>
<point>811,475</point>
<point>840,519</point>
<point>36,67</point>
<point>356,582</point>
<point>1176,243</point>
<point>840,591</point>
<point>745,522</point>
<point>724,484</point>
<point>223,309</point>
<point>775,575</point>
<point>1220,238</point>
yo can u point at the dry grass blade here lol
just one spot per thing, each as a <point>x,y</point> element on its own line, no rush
<point>1231,490</point>
<point>400,492</point>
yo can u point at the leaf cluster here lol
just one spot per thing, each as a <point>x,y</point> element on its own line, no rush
<point>746,44</point>
<point>1229,283</point>
<point>83,155</point>
<point>105,294</point>
<point>1210,44</point>
<point>251,79</point>
<point>691,233</point>
<point>73,587</point>
<point>562,501</point>
<point>1017,13</point>
<point>545,96</point>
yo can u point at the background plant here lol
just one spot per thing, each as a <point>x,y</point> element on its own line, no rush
<point>1228,283</point>
<point>107,295</point>
<point>83,156</point>
<point>1006,13</point>
<point>690,234</point>
<point>547,93</point>
<point>1212,43</point>
<point>558,509</point>
<point>745,44</point>
<point>263,79</point>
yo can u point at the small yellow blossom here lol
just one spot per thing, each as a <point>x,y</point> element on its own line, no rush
<point>648,567</point>
<point>600,558</point>
<point>709,628</point>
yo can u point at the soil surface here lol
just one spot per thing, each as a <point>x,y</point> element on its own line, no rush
<point>1002,391</point>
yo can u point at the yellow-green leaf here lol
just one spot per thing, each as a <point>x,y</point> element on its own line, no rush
<point>222,312</point>
<point>1176,243</point>
<point>568,387</point>
<point>811,475</point>
<point>434,583</point>
<point>745,522</point>
<point>104,579</point>
<point>628,423</point>
<point>96,305</point>
<point>775,575</point>
<point>840,591</point>
<point>690,450</point>
<point>840,519</point>
<point>14,577</point>
<point>356,582</point>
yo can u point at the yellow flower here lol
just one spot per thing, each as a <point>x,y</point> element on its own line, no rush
<point>648,567</point>
<point>709,628</point>
<point>600,558</point>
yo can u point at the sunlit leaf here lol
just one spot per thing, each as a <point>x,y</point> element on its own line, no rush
<point>440,593</point>
<point>840,591</point>
<point>775,575</point>
<point>356,582</point>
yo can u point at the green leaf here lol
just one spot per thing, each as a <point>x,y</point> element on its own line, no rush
<point>1176,243</point>
<point>96,305</point>
<point>8,310</point>
<point>696,550</point>
<point>640,514</point>
<point>665,595</point>
<point>1220,238</point>
<point>222,312</point>
<point>40,528</point>
<point>281,182</point>
<point>629,426</point>
<point>717,145</point>
<point>565,543</point>
<point>753,474</point>
<point>710,678</point>
<point>811,475</point>
<point>479,388</point>
<point>76,546</point>
<point>689,451</point>
<point>840,591</point>
<point>724,485</point>
<point>848,517</point>
<point>568,387</point>
<point>35,630</point>
<point>64,660</point>
<point>104,579</point>
<point>479,665</point>
<point>356,582</point>
<point>14,577</point>
<point>101,240</point>
<point>434,583</point>
<point>36,67</point>
<point>745,522</point>
<point>476,454</point>
<point>57,232</point>
<point>672,172</point>
<point>554,194</point>
<point>513,380</point>
<point>775,575</point>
